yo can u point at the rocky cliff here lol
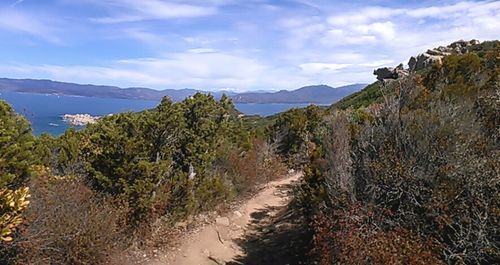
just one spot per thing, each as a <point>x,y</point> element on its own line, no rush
<point>424,60</point>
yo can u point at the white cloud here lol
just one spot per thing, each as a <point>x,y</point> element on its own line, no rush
<point>202,50</point>
<point>321,68</point>
<point>363,16</point>
<point>375,36</point>
<point>153,10</point>
<point>297,46</point>
<point>144,36</point>
<point>377,63</point>
<point>17,21</point>
<point>179,70</point>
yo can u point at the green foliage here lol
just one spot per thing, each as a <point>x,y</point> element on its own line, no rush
<point>126,158</point>
<point>367,96</point>
<point>160,161</point>
<point>16,160</point>
<point>16,144</point>
<point>292,132</point>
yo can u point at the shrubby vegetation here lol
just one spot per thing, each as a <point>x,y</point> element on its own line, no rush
<point>292,133</point>
<point>95,191</point>
<point>399,173</point>
<point>16,143</point>
<point>412,178</point>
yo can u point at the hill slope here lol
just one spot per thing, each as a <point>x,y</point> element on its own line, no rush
<point>320,94</point>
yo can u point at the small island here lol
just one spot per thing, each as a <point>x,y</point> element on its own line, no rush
<point>79,119</point>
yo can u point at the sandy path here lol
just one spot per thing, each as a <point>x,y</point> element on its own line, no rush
<point>217,243</point>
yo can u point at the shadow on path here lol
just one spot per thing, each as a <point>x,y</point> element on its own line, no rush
<point>276,236</point>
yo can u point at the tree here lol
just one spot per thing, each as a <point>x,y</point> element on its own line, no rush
<point>16,145</point>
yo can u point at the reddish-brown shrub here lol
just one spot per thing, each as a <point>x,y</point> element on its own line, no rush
<point>361,235</point>
<point>247,169</point>
<point>67,223</point>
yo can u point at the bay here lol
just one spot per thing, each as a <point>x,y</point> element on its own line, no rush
<point>45,111</point>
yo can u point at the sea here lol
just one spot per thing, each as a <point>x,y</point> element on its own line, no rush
<point>45,111</point>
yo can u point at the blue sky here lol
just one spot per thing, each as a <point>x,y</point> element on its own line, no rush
<point>228,44</point>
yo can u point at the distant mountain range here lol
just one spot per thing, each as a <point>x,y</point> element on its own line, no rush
<point>320,94</point>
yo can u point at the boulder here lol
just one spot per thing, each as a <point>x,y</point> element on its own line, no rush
<point>384,73</point>
<point>423,60</point>
<point>388,73</point>
<point>400,71</point>
<point>458,44</point>
<point>412,64</point>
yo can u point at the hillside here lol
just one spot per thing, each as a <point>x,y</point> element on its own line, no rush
<point>312,94</point>
<point>405,171</point>
<point>320,94</point>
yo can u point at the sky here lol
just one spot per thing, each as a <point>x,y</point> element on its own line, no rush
<point>240,45</point>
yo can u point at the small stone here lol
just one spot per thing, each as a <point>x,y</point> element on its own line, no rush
<point>238,214</point>
<point>181,225</point>
<point>222,221</point>
<point>206,252</point>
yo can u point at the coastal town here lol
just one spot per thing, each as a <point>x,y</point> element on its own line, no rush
<point>79,119</point>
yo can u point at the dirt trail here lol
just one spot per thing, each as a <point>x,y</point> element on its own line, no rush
<point>237,237</point>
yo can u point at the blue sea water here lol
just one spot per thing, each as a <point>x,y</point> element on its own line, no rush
<point>45,111</point>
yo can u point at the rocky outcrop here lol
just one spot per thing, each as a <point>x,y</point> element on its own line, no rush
<point>388,73</point>
<point>436,55</point>
<point>424,60</point>
<point>79,119</point>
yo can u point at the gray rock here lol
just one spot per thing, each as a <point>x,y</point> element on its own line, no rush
<point>424,60</point>
<point>458,44</point>
<point>222,221</point>
<point>384,73</point>
<point>433,56</point>
<point>388,73</point>
<point>434,52</point>
<point>412,63</point>
<point>238,214</point>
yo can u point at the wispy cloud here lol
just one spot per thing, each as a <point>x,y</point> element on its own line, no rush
<point>15,20</point>
<point>243,45</point>
<point>17,2</point>
<point>144,36</point>
<point>321,68</point>
<point>133,10</point>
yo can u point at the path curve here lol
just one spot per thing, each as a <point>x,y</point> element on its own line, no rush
<point>217,242</point>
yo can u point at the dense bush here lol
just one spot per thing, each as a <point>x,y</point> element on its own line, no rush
<point>428,156</point>
<point>67,223</point>
<point>98,189</point>
<point>360,235</point>
<point>292,132</point>
<point>259,164</point>
<point>16,144</point>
